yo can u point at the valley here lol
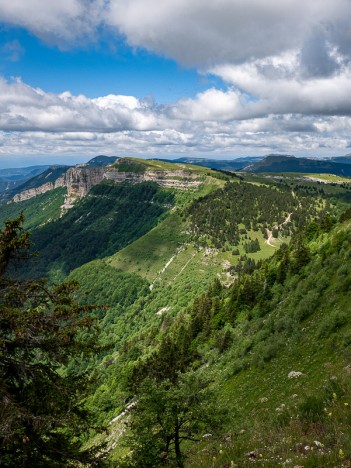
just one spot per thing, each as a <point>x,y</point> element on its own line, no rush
<point>219,299</point>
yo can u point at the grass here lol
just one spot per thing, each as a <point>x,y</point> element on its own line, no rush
<point>329,178</point>
<point>148,254</point>
<point>142,165</point>
<point>38,211</point>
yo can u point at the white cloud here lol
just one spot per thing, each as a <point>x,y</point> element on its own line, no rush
<point>278,90</point>
<point>286,65</point>
<point>195,32</point>
<point>25,108</point>
<point>217,122</point>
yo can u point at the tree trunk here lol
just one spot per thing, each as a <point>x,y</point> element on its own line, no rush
<point>179,457</point>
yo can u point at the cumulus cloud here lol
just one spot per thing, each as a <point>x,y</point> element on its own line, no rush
<point>24,108</point>
<point>196,33</point>
<point>283,92</point>
<point>217,122</point>
<point>60,22</point>
<point>286,66</point>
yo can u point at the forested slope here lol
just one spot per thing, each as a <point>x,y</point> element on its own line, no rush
<point>224,320</point>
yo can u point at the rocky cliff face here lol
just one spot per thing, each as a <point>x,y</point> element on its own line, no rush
<point>79,181</point>
<point>33,192</point>
<point>175,179</point>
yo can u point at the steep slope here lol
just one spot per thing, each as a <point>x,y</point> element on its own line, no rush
<point>45,181</point>
<point>13,177</point>
<point>184,288</point>
<point>109,218</point>
<point>38,211</point>
<point>276,347</point>
<point>79,179</point>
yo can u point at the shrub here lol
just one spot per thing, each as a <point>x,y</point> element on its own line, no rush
<point>312,409</point>
<point>331,323</point>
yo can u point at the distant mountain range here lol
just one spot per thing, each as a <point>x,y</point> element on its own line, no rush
<point>277,163</point>
<point>220,164</point>
<point>11,178</point>
<point>339,165</point>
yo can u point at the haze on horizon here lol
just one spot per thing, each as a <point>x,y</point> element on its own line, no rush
<point>225,78</point>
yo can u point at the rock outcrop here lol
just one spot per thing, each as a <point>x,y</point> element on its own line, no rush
<point>79,180</point>
<point>33,192</point>
<point>171,179</point>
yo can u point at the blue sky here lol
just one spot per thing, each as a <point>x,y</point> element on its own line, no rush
<point>98,69</point>
<point>139,78</point>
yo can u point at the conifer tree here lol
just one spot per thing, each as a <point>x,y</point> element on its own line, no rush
<point>40,412</point>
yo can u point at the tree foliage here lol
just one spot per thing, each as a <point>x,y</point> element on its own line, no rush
<point>40,412</point>
<point>168,414</point>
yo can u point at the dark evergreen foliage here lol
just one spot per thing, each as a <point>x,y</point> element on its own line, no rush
<point>41,415</point>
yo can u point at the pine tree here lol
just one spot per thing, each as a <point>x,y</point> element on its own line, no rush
<point>40,408</point>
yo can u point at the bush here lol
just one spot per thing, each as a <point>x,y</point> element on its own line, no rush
<point>312,409</point>
<point>331,323</point>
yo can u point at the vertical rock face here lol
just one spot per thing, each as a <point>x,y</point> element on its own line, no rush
<point>33,192</point>
<point>79,180</point>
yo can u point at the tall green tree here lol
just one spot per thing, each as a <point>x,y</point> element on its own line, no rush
<point>41,417</point>
<point>166,415</point>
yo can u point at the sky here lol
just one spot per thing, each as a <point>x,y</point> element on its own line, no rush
<point>219,79</point>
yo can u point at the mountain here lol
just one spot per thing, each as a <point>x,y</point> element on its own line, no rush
<point>79,179</point>
<point>342,159</point>
<point>47,180</point>
<point>224,165</point>
<point>120,202</point>
<point>13,177</point>
<point>101,161</point>
<point>278,163</point>
<point>205,286</point>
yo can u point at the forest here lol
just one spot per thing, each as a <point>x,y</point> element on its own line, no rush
<point>228,352</point>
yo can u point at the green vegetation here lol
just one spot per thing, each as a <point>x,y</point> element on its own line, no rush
<point>266,327</point>
<point>224,217</point>
<point>235,295</point>
<point>108,219</point>
<point>142,165</point>
<point>149,254</point>
<point>41,408</point>
<point>37,211</point>
<point>167,415</point>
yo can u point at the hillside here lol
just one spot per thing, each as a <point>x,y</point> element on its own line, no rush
<point>274,346</point>
<point>14,177</point>
<point>342,159</point>
<point>106,213</point>
<point>277,163</point>
<point>231,293</point>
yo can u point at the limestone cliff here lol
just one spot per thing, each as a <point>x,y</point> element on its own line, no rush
<point>33,192</point>
<point>175,179</point>
<point>80,179</point>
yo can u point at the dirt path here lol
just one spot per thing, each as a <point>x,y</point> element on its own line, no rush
<point>277,226</point>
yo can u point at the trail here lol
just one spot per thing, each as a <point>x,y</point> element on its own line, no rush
<point>184,266</point>
<point>277,226</point>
